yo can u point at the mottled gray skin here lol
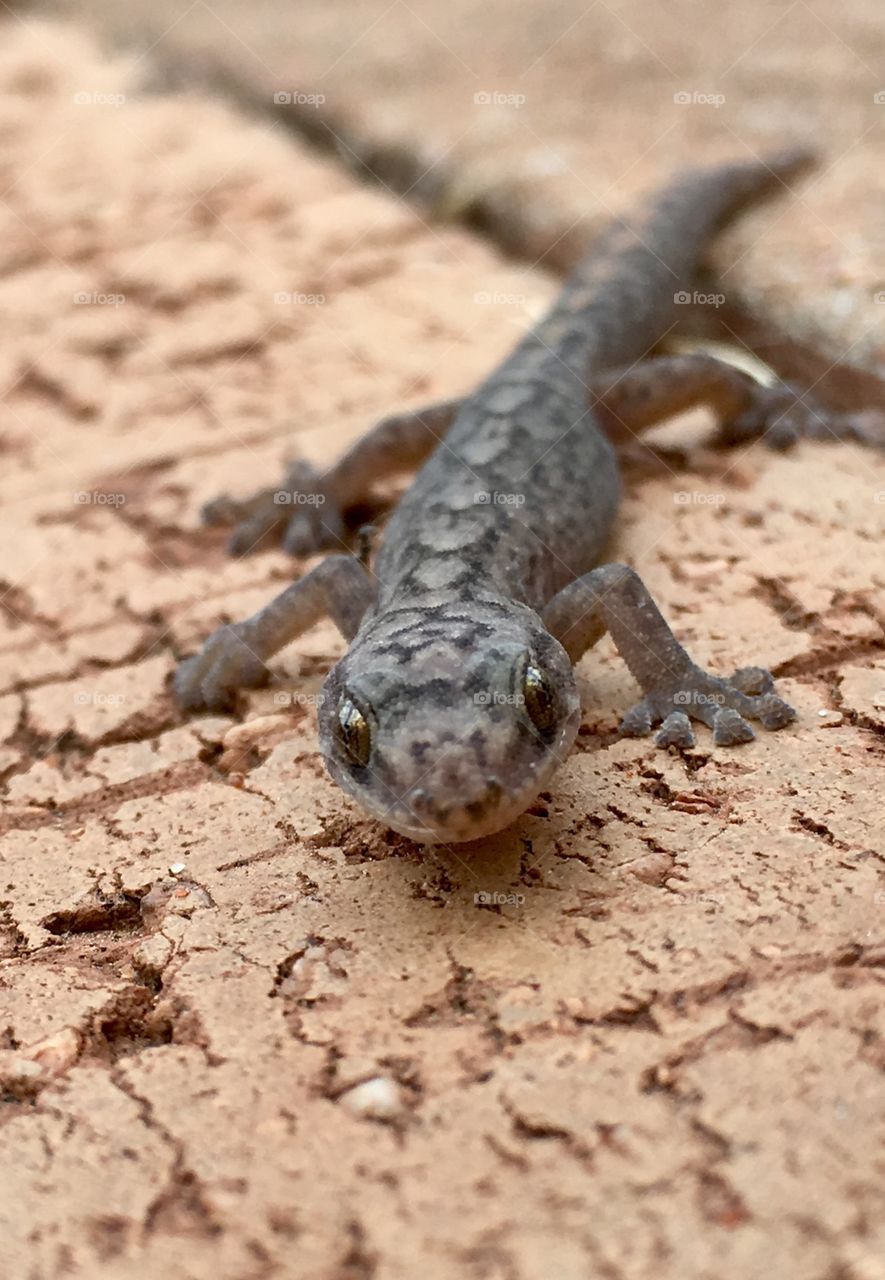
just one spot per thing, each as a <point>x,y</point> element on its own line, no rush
<point>479,573</point>
<point>454,756</point>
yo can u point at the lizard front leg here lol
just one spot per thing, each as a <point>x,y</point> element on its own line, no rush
<point>235,656</point>
<point>633,399</point>
<point>306,512</point>
<point>613,598</point>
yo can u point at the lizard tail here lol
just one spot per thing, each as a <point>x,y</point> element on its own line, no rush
<point>626,294</point>
<point>704,201</point>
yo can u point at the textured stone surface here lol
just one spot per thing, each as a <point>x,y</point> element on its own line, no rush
<point>244,1032</point>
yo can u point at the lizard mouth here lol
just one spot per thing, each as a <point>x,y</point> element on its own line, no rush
<point>424,819</point>
<point>456,833</point>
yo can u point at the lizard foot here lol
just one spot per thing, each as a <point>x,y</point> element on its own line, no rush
<point>782,415</point>
<point>225,663</point>
<point>301,515</point>
<point>725,706</point>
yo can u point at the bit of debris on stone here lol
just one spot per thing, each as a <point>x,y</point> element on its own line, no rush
<point>377,1099</point>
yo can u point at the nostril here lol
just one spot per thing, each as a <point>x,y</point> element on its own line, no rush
<point>490,797</point>
<point>418,799</point>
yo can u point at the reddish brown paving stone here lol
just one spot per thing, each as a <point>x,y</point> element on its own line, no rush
<point>636,1034</point>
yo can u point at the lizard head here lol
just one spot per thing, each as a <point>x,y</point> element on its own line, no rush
<point>445,723</point>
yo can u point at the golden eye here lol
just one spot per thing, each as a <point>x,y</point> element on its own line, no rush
<point>354,733</point>
<point>540,700</point>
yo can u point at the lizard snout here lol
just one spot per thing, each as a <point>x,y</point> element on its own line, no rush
<point>468,804</point>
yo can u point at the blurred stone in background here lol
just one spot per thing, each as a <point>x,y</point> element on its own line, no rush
<point>536,121</point>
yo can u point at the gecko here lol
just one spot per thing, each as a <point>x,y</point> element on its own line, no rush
<point>457,697</point>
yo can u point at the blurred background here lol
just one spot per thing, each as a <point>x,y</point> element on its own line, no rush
<point>535,120</point>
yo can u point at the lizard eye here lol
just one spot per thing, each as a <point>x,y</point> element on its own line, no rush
<point>540,700</point>
<point>354,733</point>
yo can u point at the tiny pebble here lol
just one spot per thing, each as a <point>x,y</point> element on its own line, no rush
<point>830,719</point>
<point>182,893</point>
<point>704,570</point>
<point>377,1099</point>
<point>176,868</point>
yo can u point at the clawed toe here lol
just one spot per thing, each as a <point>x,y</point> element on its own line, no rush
<point>186,684</point>
<point>730,728</point>
<point>637,722</point>
<point>221,511</point>
<point>302,514</point>
<point>251,534</point>
<point>209,678</point>
<point>868,428</point>
<point>783,431</point>
<point>784,414</point>
<point>676,731</point>
<point>774,713</point>
<point>752,680</point>
<point>864,426</point>
<point>725,706</point>
<point>314,530</point>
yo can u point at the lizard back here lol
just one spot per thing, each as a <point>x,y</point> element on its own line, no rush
<point>521,494</point>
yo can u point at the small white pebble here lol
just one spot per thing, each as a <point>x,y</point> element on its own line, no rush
<point>830,719</point>
<point>823,712</point>
<point>177,868</point>
<point>377,1099</point>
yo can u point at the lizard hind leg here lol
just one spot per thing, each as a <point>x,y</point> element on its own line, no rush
<point>676,691</point>
<point>301,513</point>
<point>633,399</point>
